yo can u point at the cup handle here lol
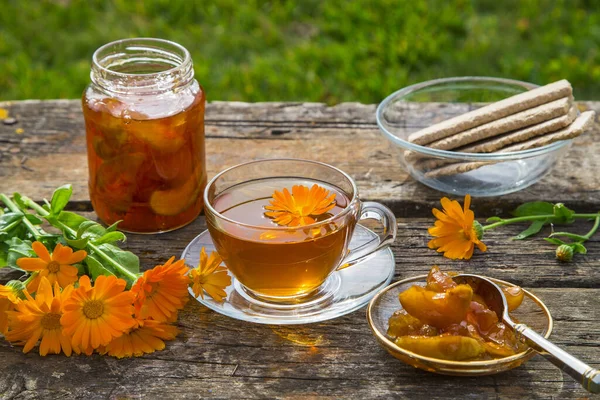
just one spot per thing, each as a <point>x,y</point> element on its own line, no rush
<point>385,217</point>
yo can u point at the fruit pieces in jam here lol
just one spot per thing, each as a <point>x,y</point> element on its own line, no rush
<point>448,321</point>
<point>147,171</point>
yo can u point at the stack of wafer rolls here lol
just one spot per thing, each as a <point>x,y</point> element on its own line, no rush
<point>525,121</point>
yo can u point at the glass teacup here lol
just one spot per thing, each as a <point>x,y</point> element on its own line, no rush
<point>281,262</point>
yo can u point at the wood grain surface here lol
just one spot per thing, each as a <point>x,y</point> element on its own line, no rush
<point>217,357</point>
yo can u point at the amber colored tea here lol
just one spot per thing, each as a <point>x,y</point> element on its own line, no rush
<point>274,262</point>
<point>146,169</point>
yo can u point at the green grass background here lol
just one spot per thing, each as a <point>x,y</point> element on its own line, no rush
<point>307,50</point>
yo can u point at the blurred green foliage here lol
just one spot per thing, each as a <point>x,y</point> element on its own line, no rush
<point>307,50</point>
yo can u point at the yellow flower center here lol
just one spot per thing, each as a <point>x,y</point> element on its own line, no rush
<point>93,309</point>
<point>50,321</point>
<point>53,267</point>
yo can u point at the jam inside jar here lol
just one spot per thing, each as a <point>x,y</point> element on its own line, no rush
<point>144,120</point>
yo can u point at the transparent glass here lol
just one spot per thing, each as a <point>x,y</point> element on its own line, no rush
<point>284,264</point>
<point>532,312</point>
<point>485,174</point>
<point>144,119</point>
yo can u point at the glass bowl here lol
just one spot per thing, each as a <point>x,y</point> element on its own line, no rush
<point>532,312</point>
<point>486,174</point>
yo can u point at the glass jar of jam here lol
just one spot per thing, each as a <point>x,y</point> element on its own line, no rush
<point>144,121</point>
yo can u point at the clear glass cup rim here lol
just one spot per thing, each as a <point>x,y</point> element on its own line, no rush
<point>187,58</point>
<point>421,278</point>
<point>208,206</point>
<point>515,155</point>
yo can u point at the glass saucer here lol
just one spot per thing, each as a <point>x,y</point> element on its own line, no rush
<point>343,292</point>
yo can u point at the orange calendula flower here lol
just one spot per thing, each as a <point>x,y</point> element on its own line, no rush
<point>162,291</point>
<point>210,277</point>
<point>39,318</point>
<point>5,305</point>
<point>456,232</point>
<point>9,296</point>
<point>95,315</point>
<point>301,206</point>
<point>146,337</point>
<point>56,266</point>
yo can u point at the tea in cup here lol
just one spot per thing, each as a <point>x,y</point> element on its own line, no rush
<point>283,226</point>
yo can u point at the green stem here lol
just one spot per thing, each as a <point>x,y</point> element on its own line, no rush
<point>581,238</point>
<point>14,208</point>
<point>594,228</point>
<point>10,226</point>
<point>40,210</point>
<point>532,218</point>
<point>31,277</point>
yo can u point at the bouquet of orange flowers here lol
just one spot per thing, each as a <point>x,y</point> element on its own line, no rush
<point>81,292</point>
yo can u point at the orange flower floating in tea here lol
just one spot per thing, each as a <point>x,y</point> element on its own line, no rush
<point>456,232</point>
<point>300,207</point>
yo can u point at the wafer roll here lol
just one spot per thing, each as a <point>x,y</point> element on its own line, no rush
<point>583,122</point>
<point>520,135</point>
<point>495,144</point>
<point>513,122</point>
<point>499,109</point>
<point>519,120</point>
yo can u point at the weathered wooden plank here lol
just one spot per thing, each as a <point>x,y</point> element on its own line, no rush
<point>529,263</point>
<point>217,357</point>
<point>51,152</point>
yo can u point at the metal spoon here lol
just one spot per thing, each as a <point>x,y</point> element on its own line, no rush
<point>494,297</point>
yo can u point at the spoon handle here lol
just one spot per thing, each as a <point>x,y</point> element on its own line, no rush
<point>588,377</point>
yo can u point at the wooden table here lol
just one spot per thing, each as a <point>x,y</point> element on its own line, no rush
<point>215,356</point>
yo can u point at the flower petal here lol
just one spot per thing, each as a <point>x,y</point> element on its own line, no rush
<point>41,251</point>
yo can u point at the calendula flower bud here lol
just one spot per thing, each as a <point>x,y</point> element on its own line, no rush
<point>478,229</point>
<point>17,288</point>
<point>564,252</point>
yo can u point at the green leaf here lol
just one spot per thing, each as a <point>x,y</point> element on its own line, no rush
<point>534,228</point>
<point>110,237</point>
<point>534,208</point>
<point>113,227</point>
<point>3,254</point>
<point>9,218</point>
<point>50,240</point>
<point>78,244</point>
<point>579,248</point>
<point>81,268</point>
<point>494,219</point>
<point>18,231</point>
<point>33,219</point>
<point>96,267</point>
<point>127,259</point>
<point>71,219</point>
<point>88,225</point>
<point>17,198</point>
<point>17,249</point>
<point>555,241</point>
<point>60,198</point>
<point>562,214</point>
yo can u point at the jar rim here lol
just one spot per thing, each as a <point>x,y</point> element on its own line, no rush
<point>178,72</point>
